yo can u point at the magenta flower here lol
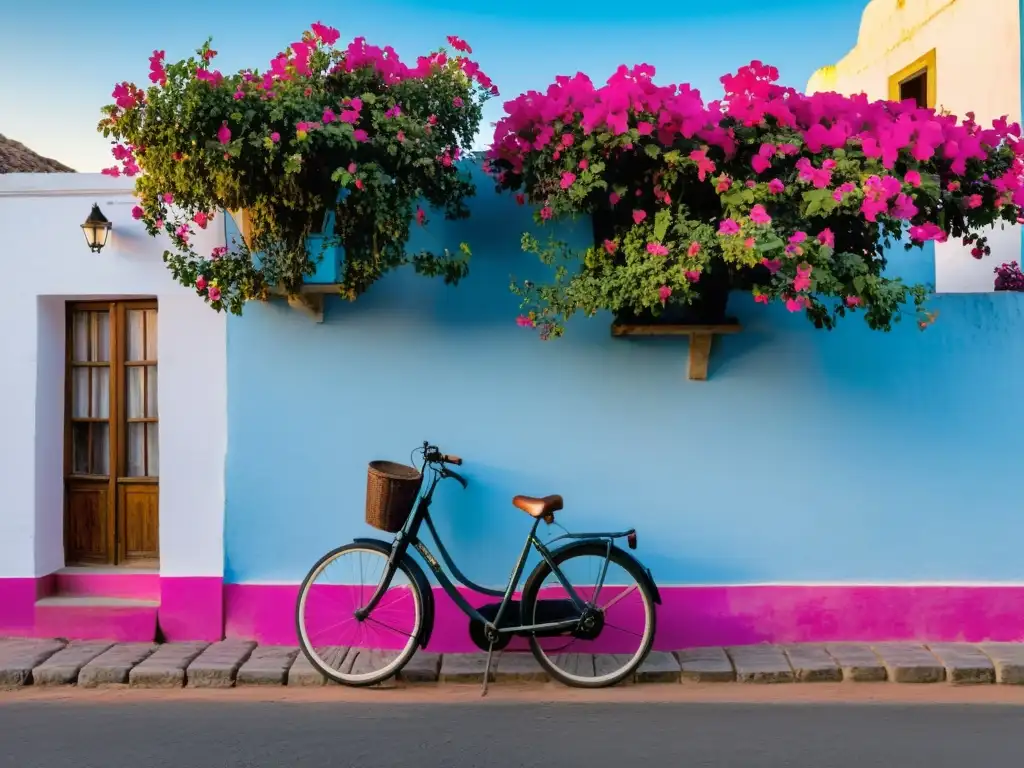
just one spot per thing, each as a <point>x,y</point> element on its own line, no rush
<point>326,35</point>
<point>776,187</point>
<point>524,322</point>
<point>214,293</point>
<point>200,283</point>
<point>421,216</point>
<point>546,213</point>
<point>913,178</point>
<point>728,227</point>
<point>694,249</point>
<point>275,137</point>
<point>795,304</point>
<point>137,212</point>
<point>853,301</point>
<point>360,135</point>
<point>802,281</point>
<point>758,215</point>
<point>459,44</point>
<point>663,293</point>
<point>457,102</point>
<point>218,252</point>
<point>973,201</point>
<point>693,275</point>
<point>328,116</point>
<point>567,180</point>
<point>827,238</point>
<point>610,246</point>
<point>639,216</point>
<point>224,133</point>
<point>168,198</point>
<point>201,219</point>
<point>657,249</point>
<point>772,265</point>
<point>613,198</point>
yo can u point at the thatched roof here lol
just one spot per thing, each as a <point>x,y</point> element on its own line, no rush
<point>15,157</point>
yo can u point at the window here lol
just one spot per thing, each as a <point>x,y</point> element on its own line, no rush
<point>916,81</point>
<point>113,446</point>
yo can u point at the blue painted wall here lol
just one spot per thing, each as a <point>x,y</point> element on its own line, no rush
<point>807,456</point>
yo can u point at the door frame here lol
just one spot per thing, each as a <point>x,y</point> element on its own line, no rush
<point>116,482</point>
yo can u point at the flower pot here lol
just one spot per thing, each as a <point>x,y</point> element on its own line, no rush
<point>328,268</point>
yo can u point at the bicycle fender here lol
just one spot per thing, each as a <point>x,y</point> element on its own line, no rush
<point>421,581</point>
<point>645,572</point>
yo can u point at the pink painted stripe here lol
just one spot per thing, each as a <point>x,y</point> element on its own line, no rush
<point>723,615</point>
<point>128,624</point>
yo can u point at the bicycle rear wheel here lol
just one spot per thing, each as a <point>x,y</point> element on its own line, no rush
<point>340,646</point>
<point>623,631</point>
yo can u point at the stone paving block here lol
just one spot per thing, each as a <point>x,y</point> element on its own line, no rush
<point>165,668</point>
<point>910,663</point>
<point>112,666</point>
<point>760,664</point>
<point>964,664</point>
<point>518,667</point>
<point>217,666</point>
<point>302,673</point>
<point>464,668</point>
<point>706,665</point>
<point>581,664</point>
<point>268,665</point>
<point>63,667</point>
<point>858,662</point>
<point>658,667</point>
<point>18,657</point>
<point>606,663</point>
<point>361,661</point>
<point>1008,660</point>
<point>812,664</point>
<point>422,668</point>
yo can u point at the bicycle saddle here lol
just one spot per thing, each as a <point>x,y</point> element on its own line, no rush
<point>542,506</point>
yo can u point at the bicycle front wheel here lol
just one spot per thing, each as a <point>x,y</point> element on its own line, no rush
<point>342,647</point>
<point>622,631</point>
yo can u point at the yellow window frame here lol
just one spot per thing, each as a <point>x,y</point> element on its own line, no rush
<point>925,64</point>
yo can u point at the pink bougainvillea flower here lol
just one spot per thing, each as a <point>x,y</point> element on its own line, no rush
<point>749,243</point>
<point>520,199</point>
<point>827,238</point>
<point>421,216</point>
<point>583,164</point>
<point>224,133</point>
<point>168,198</point>
<point>239,95</point>
<point>457,102</point>
<point>802,281</point>
<point>704,165</point>
<point>797,237</point>
<point>183,232</point>
<point>157,74</point>
<point>395,111</point>
<point>613,198</point>
<point>352,168</point>
<point>610,246</point>
<point>567,139</point>
<point>728,227</point>
<point>973,201</point>
<point>724,184</point>
<point>657,249</point>
<point>773,265</point>
<point>326,35</point>
<point>761,298</point>
<point>853,301</point>
<point>758,215</point>
<point>137,212</point>
<point>795,304</point>
<point>693,275</point>
<point>459,44</point>
<point>644,128</point>
<point>903,207</point>
<point>567,180</point>
<point>360,135</point>
<point>546,213</point>
<point>218,252</point>
<point>927,231</point>
<point>694,249</point>
<point>524,322</point>
<point>214,293</point>
<point>201,219</point>
<point>639,216</point>
<point>275,137</point>
<point>913,178</point>
<point>200,283</point>
<point>329,116</point>
<point>113,171</point>
<point>663,293</point>
<point>776,187</point>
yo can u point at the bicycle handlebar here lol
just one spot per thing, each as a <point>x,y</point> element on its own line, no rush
<point>432,455</point>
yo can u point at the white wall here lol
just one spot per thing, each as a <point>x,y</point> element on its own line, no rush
<point>977,51</point>
<point>46,262</point>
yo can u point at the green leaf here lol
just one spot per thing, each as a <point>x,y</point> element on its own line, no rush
<point>662,220</point>
<point>652,151</point>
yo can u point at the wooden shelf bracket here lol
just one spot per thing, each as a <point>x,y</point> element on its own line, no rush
<point>702,338</point>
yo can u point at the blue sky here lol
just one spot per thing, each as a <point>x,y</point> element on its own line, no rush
<point>59,60</point>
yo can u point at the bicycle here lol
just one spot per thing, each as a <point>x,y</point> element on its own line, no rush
<point>401,592</point>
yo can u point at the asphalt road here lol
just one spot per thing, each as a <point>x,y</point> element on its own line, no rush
<point>297,735</point>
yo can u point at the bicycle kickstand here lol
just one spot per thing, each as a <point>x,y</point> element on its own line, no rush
<point>487,669</point>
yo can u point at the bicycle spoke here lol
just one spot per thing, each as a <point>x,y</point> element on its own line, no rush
<point>619,597</point>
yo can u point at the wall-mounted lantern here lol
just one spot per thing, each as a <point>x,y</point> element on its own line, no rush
<point>96,228</point>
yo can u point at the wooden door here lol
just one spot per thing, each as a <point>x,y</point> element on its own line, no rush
<point>113,454</point>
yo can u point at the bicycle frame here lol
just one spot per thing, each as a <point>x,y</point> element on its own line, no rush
<point>409,536</point>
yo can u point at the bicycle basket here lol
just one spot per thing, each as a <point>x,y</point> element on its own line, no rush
<point>391,491</point>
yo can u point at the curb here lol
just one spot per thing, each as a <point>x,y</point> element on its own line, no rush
<point>233,662</point>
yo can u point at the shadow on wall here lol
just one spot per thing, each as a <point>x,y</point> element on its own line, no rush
<point>807,456</point>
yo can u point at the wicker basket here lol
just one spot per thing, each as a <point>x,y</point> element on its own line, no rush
<point>391,491</point>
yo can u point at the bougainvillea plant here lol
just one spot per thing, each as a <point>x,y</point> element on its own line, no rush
<point>1009,277</point>
<point>351,130</point>
<point>793,197</point>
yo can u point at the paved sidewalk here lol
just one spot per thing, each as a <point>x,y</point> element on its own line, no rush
<point>232,663</point>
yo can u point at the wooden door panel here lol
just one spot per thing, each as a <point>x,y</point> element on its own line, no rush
<point>88,526</point>
<point>140,523</point>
